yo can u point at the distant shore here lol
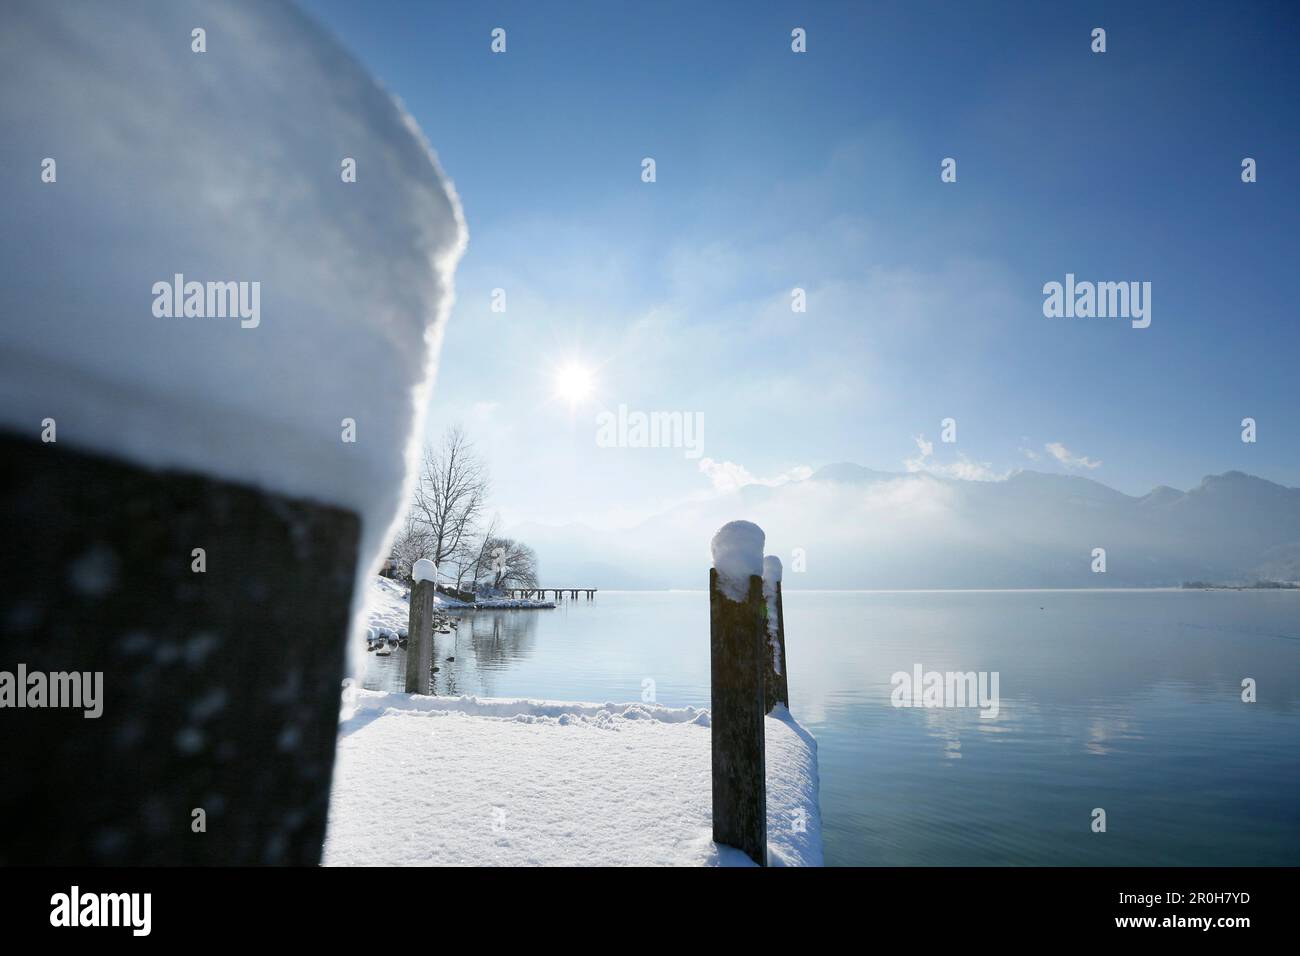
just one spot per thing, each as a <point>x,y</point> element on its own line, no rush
<point>1257,586</point>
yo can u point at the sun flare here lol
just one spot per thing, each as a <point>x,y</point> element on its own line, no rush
<point>574,382</point>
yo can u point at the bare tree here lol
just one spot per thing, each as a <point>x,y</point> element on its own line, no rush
<point>443,525</point>
<point>459,563</point>
<point>409,545</point>
<point>449,496</point>
<point>511,563</point>
<point>481,554</point>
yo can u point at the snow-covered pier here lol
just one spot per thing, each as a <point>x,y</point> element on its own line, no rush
<point>558,592</point>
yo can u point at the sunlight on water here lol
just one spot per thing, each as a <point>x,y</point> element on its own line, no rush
<point>1125,700</point>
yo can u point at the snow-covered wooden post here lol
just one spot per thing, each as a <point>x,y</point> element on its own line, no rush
<point>419,631</point>
<point>206,410</point>
<point>776,685</point>
<point>738,639</point>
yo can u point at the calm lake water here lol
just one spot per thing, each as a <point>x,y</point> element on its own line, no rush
<point>1125,700</point>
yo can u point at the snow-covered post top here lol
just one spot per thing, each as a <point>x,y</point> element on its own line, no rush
<point>737,656</point>
<point>238,263</point>
<point>424,570</point>
<point>737,556</point>
<point>776,687</point>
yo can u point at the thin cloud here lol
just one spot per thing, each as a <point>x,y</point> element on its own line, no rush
<point>963,469</point>
<point>729,476</point>
<point>1070,460</point>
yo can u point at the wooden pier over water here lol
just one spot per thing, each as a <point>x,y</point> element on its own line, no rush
<point>558,592</point>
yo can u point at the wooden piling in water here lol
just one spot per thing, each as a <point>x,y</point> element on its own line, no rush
<point>738,637</point>
<point>776,679</point>
<point>419,634</point>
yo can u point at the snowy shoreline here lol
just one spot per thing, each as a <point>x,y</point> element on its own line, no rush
<point>387,608</point>
<point>486,781</point>
<point>423,780</point>
<point>495,604</point>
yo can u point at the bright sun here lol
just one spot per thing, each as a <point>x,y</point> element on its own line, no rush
<point>573,382</point>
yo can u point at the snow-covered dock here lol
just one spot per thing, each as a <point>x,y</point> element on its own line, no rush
<point>436,780</point>
<point>387,607</point>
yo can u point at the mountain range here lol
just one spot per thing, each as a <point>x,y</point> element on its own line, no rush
<point>852,527</point>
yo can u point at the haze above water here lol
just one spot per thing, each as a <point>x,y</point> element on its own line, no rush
<point>1125,700</point>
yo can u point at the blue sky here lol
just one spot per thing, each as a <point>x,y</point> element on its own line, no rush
<point>821,170</point>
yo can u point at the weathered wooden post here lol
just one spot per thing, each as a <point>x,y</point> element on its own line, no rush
<point>738,638</point>
<point>198,753</point>
<point>419,631</point>
<point>776,684</point>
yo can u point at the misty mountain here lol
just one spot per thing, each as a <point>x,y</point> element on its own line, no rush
<point>859,528</point>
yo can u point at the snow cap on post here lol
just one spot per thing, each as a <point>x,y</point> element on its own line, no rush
<point>737,555</point>
<point>247,314</point>
<point>424,570</point>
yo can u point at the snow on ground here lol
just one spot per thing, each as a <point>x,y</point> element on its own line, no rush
<point>388,602</point>
<point>433,780</point>
<point>387,609</point>
<point>498,603</point>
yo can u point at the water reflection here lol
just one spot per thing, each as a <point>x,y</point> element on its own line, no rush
<point>469,660</point>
